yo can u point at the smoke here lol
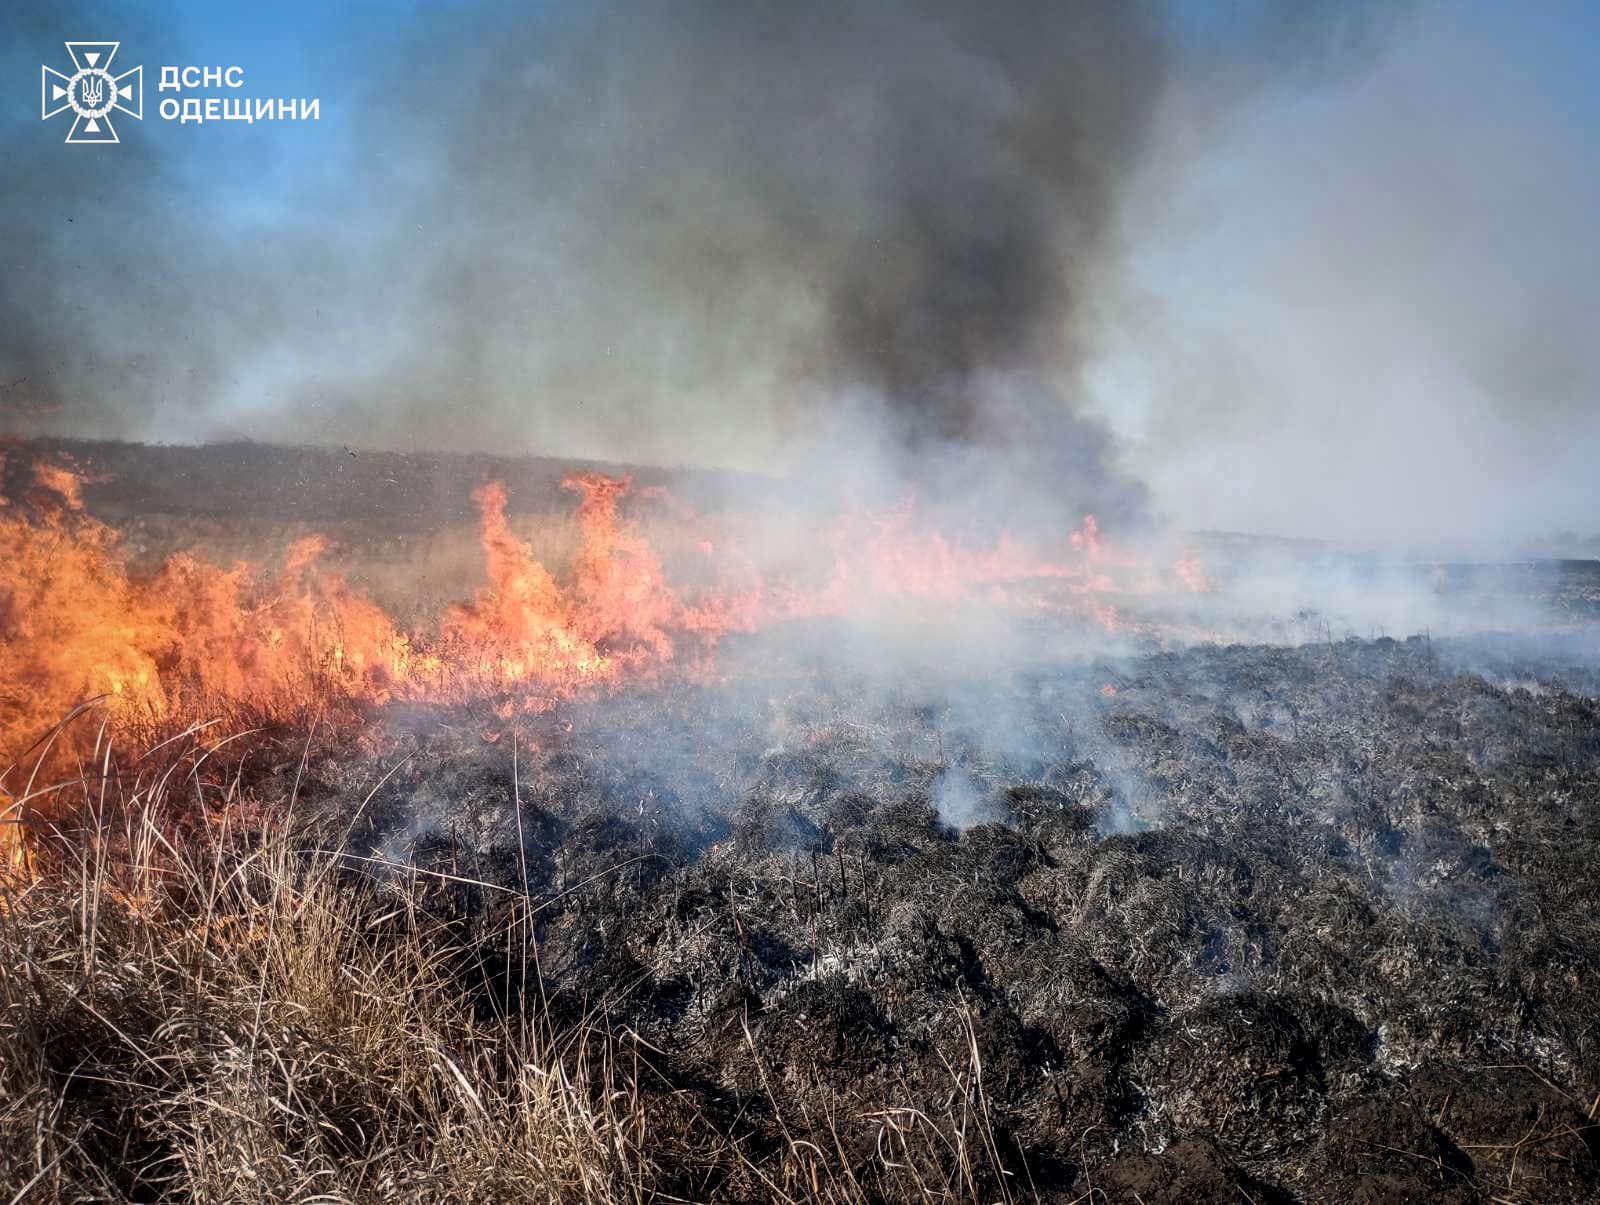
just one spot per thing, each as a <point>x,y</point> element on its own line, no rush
<point>1367,303</point>
<point>855,239</point>
<point>80,345</point>
<point>861,243</point>
<point>1300,267</point>
<point>962,803</point>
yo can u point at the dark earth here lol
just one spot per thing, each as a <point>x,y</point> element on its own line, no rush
<point>1266,923</point>
<point>1299,921</point>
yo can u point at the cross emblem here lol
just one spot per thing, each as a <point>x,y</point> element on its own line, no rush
<point>91,92</point>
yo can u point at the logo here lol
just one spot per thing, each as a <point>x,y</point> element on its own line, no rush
<point>91,92</point>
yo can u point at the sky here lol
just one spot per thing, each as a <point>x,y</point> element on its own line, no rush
<point>1311,269</point>
<point>1376,298</point>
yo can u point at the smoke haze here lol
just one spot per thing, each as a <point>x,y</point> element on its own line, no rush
<point>1024,257</point>
<point>1363,310</point>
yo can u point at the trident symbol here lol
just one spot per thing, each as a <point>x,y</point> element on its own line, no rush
<point>92,92</point>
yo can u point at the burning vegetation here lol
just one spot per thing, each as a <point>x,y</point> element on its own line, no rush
<point>660,872</point>
<point>927,821</point>
<point>194,642</point>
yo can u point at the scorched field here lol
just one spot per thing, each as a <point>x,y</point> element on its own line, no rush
<point>568,848</point>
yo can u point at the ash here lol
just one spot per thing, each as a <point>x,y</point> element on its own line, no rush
<point>1313,921</point>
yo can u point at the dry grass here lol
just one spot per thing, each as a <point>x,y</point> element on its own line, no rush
<point>412,575</point>
<point>206,1014</point>
<point>197,1004</point>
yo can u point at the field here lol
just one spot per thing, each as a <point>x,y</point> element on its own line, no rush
<point>872,910</point>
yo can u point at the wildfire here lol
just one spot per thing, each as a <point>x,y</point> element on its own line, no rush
<point>196,640</point>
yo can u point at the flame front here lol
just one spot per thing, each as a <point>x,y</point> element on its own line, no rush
<point>197,641</point>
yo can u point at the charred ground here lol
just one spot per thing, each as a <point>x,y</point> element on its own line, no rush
<point>924,910</point>
<point>1267,922</point>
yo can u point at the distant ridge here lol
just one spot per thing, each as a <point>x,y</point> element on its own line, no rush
<point>402,490</point>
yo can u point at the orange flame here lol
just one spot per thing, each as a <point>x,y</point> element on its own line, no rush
<point>195,640</point>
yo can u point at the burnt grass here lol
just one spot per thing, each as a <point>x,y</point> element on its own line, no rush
<point>1266,923</point>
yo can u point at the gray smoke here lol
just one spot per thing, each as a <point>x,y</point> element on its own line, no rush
<point>876,224</point>
<point>1376,295</point>
<point>82,330</point>
<point>859,243</point>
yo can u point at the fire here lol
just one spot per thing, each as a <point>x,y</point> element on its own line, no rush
<point>521,629</point>
<point>200,641</point>
<point>61,481</point>
<point>879,556</point>
<point>1192,573</point>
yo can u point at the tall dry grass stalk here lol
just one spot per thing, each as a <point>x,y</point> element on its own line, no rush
<point>203,1012</point>
<point>200,1000</point>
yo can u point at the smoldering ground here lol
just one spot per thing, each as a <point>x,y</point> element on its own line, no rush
<point>1150,923</point>
<point>1213,907</point>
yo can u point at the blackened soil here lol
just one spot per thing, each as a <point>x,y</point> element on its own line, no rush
<point>1243,923</point>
